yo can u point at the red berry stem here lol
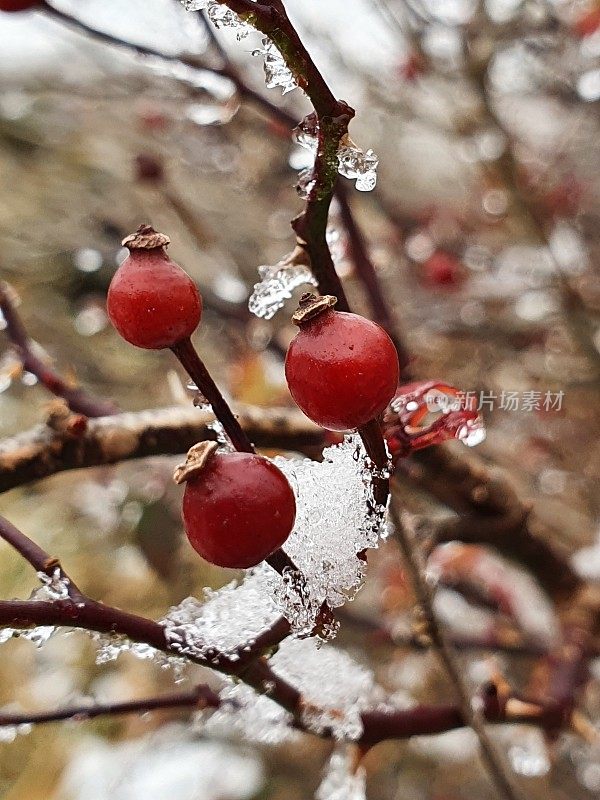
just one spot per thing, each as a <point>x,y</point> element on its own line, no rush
<point>372,438</point>
<point>194,366</point>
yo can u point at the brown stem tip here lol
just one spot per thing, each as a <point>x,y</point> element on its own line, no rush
<point>310,306</point>
<point>197,458</point>
<point>145,238</point>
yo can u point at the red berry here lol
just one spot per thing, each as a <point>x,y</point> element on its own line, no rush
<point>18,5</point>
<point>151,301</point>
<point>588,23</point>
<point>442,269</point>
<point>342,369</point>
<point>238,508</point>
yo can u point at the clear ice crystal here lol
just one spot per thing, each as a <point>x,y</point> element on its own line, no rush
<point>306,133</point>
<point>194,5</point>
<point>341,781</point>
<point>358,165</point>
<point>54,587</point>
<point>8,733</point>
<point>306,183</point>
<point>220,15</point>
<point>277,72</point>
<point>353,163</point>
<point>222,438</point>
<point>226,621</point>
<point>223,17</point>
<point>277,285</point>
<point>110,646</point>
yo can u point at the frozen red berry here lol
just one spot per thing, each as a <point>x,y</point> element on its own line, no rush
<point>342,369</point>
<point>152,302</point>
<point>18,5</point>
<point>238,508</point>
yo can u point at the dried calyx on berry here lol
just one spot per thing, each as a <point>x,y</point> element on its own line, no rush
<point>151,301</point>
<point>342,369</point>
<point>311,305</point>
<point>238,508</point>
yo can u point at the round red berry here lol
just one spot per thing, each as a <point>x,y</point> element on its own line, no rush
<point>588,23</point>
<point>442,269</point>
<point>342,369</point>
<point>238,508</point>
<point>18,5</point>
<point>151,301</point>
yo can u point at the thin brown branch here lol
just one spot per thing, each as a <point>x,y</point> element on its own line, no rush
<point>367,273</point>
<point>195,368</point>
<point>199,697</point>
<point>77,399</point>
<point>490,512</point>
<point>39,559</point>
<point>498,770</point>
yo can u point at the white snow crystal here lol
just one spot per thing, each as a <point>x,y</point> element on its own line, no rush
<point>227,620</point>
<point>335,689</point>
<point>336,520</point>
<point>340,781</point>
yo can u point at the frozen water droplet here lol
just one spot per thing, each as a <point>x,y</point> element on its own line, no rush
<point>358,165</point>
<point>528,754</point>
<point>223,17</point>
<point>340,781</point>
<point>194,5</point>
<point>306,133</point>
<point>277,285</point>
<point>472,433</point>
<point>277,72</point>
<point>306,183</point>
<point>8,733</point>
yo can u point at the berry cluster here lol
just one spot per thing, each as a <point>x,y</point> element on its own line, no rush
<point>342,371</point>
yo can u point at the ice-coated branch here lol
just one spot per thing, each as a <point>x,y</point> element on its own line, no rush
<point>44,451</point>
<point>497,769</point>
<point>79,611</point>
<point>77,399</point>
<point>378,725</point>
